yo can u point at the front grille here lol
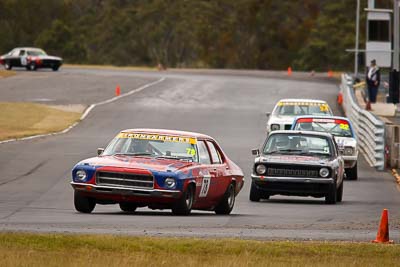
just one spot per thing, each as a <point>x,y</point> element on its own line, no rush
<point>288,126</point>
<point>124,179</point>
<point>300,171</point>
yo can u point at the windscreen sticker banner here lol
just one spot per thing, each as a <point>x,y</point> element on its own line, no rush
<point>205,185</point>
<point>159,137</point>
<point>323,106</point>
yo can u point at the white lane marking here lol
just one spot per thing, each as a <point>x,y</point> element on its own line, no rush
<point>86,113</point>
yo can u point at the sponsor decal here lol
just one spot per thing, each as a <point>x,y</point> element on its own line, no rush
<point>160,137</point>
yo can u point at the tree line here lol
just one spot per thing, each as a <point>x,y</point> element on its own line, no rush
<point>243,34</point>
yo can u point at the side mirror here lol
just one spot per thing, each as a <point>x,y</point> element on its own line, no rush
<point>100,151</point>
<point>255,152</point>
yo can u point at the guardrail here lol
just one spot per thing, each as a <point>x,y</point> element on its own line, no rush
<point>369,129</point>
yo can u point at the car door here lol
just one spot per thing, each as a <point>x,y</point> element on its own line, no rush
<point>23,57</point>
<point>219,168</point>
<point>13,58</point>
<point>207,176</point>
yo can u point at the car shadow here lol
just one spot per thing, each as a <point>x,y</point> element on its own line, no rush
<point>164,213</point>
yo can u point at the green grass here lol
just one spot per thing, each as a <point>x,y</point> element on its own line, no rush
<point>26,119</point>
<point>19,249</point>
<point>6,73</point>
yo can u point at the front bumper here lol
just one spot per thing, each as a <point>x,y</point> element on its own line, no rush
<point>293,186</point>
<point>125,192</point>
<point>350,161</point>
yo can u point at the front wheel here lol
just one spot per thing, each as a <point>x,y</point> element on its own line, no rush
<point>255,194</point>
<point>352,173</point>
<point>127,207</point>
<point>55,68</point>
<point>331,197</point>
<point>339,194</point>
<point>227,202</point>
<point>8,65</point>
<point>184,204</point>
<point>83,204</point>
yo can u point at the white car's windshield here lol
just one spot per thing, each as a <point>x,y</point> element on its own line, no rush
<point>336,127</point>
<point>301,108</point>
<point>36,53</point>
<point>297,144</point>
<point>154,145</point>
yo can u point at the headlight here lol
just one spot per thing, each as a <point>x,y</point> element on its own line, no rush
<point>275,127</point>
<point>324,172</point>
<point>81,175</point>
<point>170,182</point>
<point>348,151</point>
<point>261,169</point>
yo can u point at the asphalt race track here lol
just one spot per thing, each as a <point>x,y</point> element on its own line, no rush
<point>35,194</point>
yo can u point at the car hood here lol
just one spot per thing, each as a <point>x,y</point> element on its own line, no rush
<point>281,120</point>
<point>123,161</point>
<point>345,141</point>
<point>293,159</point>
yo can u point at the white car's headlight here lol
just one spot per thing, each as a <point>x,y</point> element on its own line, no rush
<point>324,172</point>
<point>170,182</point>
<point>81,175</point>
<point>261,169</point>
<point>275,127</point>
<point>348,151</point>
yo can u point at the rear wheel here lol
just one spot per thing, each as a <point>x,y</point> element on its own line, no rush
<point>352,173</point>
<point>255,194</point>
<point>127,207</point>
<point>339,194</point>
<point>32,66</point>
<point>83,204</point>
<point>331,197</point>
<point>7,65</point>
<point>184,205</point>
<point>227,202</point>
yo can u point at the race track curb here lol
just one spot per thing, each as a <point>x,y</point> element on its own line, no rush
<point>86,113</point>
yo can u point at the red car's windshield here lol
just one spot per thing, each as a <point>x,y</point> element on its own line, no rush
<point>153,145</point>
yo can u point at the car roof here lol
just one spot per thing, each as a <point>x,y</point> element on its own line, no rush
<point>28,48</point>
<point>167,132</point>
<point>302,100</point>
<point>303,133</point>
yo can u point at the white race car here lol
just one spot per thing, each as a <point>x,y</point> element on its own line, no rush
<point>286,110</point>
<point>341,129</point>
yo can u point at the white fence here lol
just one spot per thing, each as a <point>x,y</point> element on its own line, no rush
<point>369,129</point>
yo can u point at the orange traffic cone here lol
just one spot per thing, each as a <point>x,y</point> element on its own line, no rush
<point>330,73</point>
<point>289,71</point>
<point>117,90</point>
<point>383,232</point>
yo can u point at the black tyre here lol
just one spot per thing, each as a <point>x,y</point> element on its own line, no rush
<point>352,173</point>
<point>331,197</point>
<point>255,194</point>
<point>32,66</point>
<point>339,194</point>
<point>55,68</point>
<point>83,204</point>
<point>184,205</point>
<point>7,65</point>
<point>128,207</point>
<point>227,202</point>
